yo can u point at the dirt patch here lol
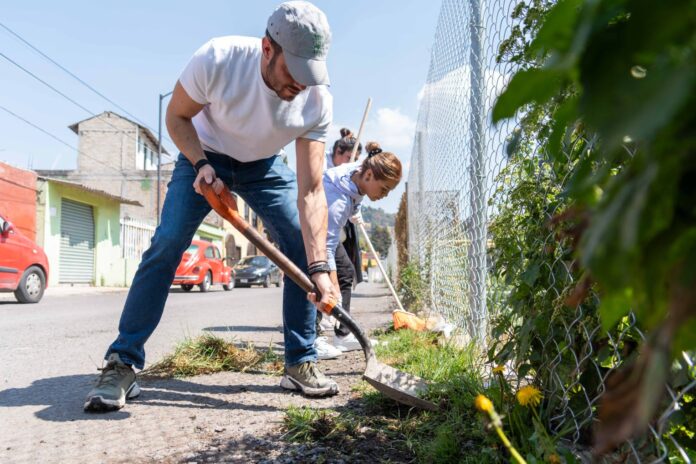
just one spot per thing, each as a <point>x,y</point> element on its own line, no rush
<point>271,444</point>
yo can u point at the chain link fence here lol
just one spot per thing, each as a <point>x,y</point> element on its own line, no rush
<point>462,188</point>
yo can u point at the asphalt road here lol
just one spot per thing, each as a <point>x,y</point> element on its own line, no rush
<point>49,354</point>
<point>71,332</point>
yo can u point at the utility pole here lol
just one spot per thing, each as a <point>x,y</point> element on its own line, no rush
<point>159,152</point>
<point>476,262</point>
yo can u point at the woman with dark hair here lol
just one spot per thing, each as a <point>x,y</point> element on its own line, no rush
<point>345,186</point>
<point>348,262</point>
<point>342,149</point>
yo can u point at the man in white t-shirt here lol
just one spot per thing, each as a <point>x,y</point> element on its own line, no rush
<point>239,101</point>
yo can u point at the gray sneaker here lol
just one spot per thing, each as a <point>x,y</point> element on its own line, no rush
<point>306,378</point>
<point>116,384</point>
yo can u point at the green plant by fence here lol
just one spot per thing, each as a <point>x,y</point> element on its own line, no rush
<point>497,212</point>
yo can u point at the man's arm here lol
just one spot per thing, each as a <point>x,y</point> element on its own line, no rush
<point>311,201</point>
<point>180,111</point>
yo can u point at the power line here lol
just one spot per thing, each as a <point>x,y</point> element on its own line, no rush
<point>65,96</point>
<point>39,128</point>
<point>77,78</point>
<point>46,83</point>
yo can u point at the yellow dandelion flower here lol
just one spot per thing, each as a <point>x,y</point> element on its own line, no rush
<point>483,404</point>
<point>553,459</point>
<point>498,369</point>
<point>529,396</point>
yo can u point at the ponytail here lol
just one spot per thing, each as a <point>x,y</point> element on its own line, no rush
<point>383,164</point>
<point>346,142</point>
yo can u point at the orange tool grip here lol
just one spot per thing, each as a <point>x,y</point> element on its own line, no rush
<point>327,307</point>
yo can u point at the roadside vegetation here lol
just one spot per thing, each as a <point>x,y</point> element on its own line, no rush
<point>209,354</point>
<point>455,433</point>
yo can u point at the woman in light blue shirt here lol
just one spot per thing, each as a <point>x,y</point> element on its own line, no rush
<point>347,257</point>
<point>345,187</point>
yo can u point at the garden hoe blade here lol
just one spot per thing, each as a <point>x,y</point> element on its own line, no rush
<point>395,384</point>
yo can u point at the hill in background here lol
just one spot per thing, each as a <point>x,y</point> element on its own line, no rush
<point>377,216</point>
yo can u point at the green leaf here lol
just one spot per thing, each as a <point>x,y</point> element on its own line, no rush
<point>620,103</point>
<point>557,31</point>
<point>635,208</point>
<point>531,85</point>
<point>513,143</point>
<point>530,275</point>
<point>614,306</point>
<point>685,338</point>
<point>524,369</point>
<point>565,115</point>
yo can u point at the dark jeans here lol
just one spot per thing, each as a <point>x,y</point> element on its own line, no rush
<point>270,188</point>
<point>345,274</point>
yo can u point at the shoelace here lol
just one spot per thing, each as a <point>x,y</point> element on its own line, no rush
<point>309,370</point>
<point>108,372</point>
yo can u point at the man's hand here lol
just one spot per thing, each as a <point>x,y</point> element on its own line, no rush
<point>329,294</point>
<point>207,175</point>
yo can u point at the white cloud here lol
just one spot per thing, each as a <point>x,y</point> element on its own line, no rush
<point>389,127</point>
<point>393,130</point>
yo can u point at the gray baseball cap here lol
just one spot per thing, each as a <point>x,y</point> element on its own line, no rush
<point>303,31</point>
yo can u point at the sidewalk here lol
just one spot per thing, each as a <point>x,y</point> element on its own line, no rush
<point>68,290</point>
<point>65,290</point>
<point>177,420</point>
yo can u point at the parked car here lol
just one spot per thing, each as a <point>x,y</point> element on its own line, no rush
<point>23,265</point>
<point>202,265</point>
<point>257,270</point>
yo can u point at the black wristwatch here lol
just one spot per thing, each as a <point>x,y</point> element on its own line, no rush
<point>317,267</point>
<point>200,163</point>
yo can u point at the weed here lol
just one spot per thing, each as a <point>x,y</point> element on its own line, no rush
<point>208,354</point>
<point>452,434</point>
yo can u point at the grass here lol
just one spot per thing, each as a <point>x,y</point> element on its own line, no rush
<point>453,434</point>
<point>209,354</point>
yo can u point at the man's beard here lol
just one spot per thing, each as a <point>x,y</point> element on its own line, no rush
<point>269,76</point>
<point>271,82</point>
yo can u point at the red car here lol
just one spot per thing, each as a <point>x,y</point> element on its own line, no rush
<point>23,265</point>
<point>202,265</point>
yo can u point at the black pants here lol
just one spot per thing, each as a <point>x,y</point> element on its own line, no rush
<point>345,273</point>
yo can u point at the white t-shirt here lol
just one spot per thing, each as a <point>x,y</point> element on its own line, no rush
<point>243,118</point>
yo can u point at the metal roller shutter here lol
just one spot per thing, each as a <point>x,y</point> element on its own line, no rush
<point>76,243</point>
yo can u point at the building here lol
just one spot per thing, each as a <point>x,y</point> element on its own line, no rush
<point>79,229</point>
<point>119,157</point>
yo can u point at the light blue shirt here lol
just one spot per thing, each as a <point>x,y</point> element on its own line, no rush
<point>343,200</point>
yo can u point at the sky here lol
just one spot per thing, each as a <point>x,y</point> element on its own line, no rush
<point>132,51</point>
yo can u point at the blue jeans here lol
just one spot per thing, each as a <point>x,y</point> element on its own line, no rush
<point>270,188</point>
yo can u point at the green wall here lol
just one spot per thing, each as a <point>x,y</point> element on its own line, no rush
<point>110,268</point>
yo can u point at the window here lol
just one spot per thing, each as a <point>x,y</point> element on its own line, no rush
<point>146,157</point>
<point>254,220</point>
<point>255,261</point>
<point>246,212</point>
<point>209,252</point>
<point>216,253</point>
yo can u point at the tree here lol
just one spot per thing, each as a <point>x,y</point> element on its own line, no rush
<point>401,232</point>
<point>381,240</point>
